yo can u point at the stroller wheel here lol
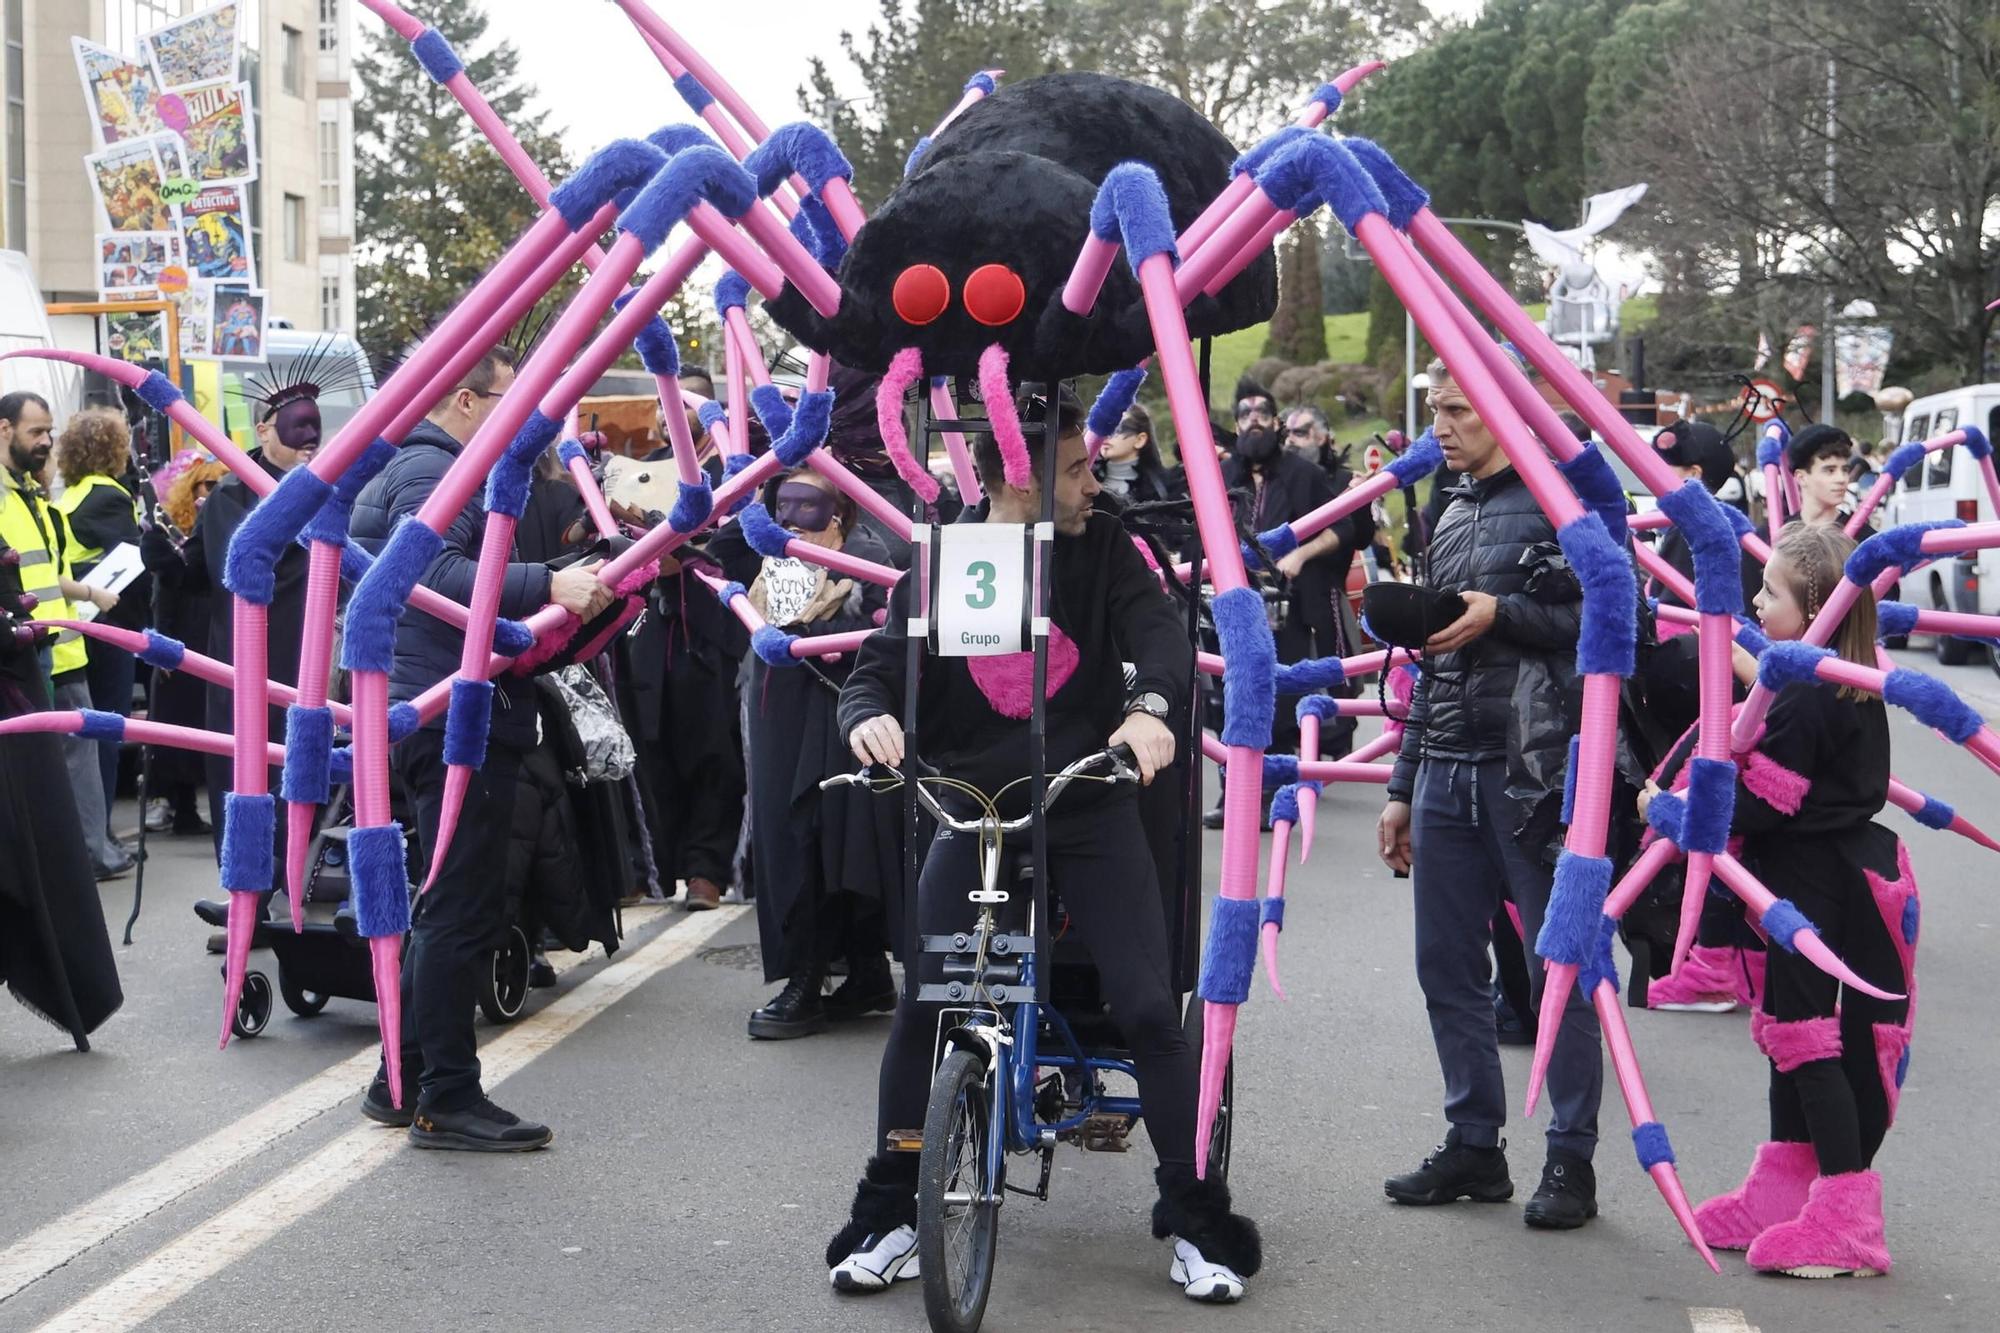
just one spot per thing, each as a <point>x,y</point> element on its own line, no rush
<point>305,1003</point>
<point>253,1010</point>
<point>503,987</point>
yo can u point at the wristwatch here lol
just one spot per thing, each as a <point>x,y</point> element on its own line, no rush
<point>1151,703</point>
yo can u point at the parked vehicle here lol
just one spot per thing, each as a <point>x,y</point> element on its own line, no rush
<point>1949,485</point>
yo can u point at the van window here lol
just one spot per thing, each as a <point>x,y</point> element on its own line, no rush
<point>1937,468</point>
<point>1913,429</point>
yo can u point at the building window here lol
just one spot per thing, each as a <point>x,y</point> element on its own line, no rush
<point>329,301</point>
<point>17,132</point>
<point>295,228</point>
<point>293,66</point>
<point>329,27</point>
<point>125,21</point>
<point>329,164</point>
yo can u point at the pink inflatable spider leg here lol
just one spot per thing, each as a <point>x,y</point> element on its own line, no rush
<point>371,810</point>
<point>725,129</point>
<point>1247,253</point>
<point>251,778</point>
<point>1774,497</point>
<point>1809,945</point>
<point>1639,1105</point>
<point>1230,237</point>
<point>955,447</point>
<point>137,730</point>
<point>1750,718</point>
<point>865,496</point>
<point>663,539</point>
<point>1659,854</point>
<point>578,467</point>
<point>199,665</point>
<point>738,389</point>
<point>1274,890</point>
<point>1385,744</point>
<point>315,662</point>
<point>1308,796</point>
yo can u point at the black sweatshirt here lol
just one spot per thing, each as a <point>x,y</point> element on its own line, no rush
<point>1109,603</point>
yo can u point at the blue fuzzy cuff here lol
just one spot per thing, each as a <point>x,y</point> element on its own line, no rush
<point>1932,703</point>
<point>698,98</point>
<point>1324,707</point>
<point>732,292</point>
<point>658,352</point>
<point>1650,1139</point>
<point>248,825</point>
<point>733,465</point>
<point>570,451</point>
<point>1895,619</point>
<point>730,591</point>
<point>1976,443</point>
<point>1590,476</point>
<point>380,881</point>
<point>354,563</point>
<point>1934,813</point>
<point>162,652</point>
<point>1793,662</point>
<point>511,638</point>
<point>507,485</point>
<point>1667,816</point>
<point>158,392</point>
<point>250,569</point>
<point>1711,803</point>
<point>693,507</point>
<point>1569,781</point>
<point>819,233</point>
<point>619,166</point>
<point>1771,444</point>
<point>1131,206</point>
<point>1418,461</point>
<point>764,535</point>
<point>1899,547</point>
<point>1277,542</point>
<point>1602,965</point>
<point>1272,913</point>
<point>378,600</point>
<point>1280,769</point>
<point>691,177</point>
<point>308,754</point>
<point>467,722</point>
<point>1751,635</point>
<point>917,152</point>
<point>768,402</point>
<point>100,726</point>
<point>434,53</point>
<point>800,147</point>
<point>714,417</point>
<point>1576,905</point>
<point>1113,401</point>
<point>1231,952</point>
<point>340,764</point>
<point>1253,159</point>
<point>1404,196</point>
<point>1315,673</point>
<point>808,427</point>
<point>403,720</point>
<point>774,647</point>
<point>1782,920</point>
<point>1609,637</point>
<point>1711,539</point>
<point>1902,458</point>
<point>1250,667</point>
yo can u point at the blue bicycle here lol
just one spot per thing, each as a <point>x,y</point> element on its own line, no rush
<point>1013,1077</point>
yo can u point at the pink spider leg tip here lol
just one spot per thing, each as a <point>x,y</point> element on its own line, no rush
<point>1269,941</point>
<point>1669,1182</point>
<point>457,779</point>
<point>242,926</point>
<point>1826,960</point>
<point>298,841</point>
<point>1694,894</point>
<point>1966,828</point>
<point>1557,982</point>
<point>1218,1033</point>
<point>1308,817</point>
<point>386,961</point>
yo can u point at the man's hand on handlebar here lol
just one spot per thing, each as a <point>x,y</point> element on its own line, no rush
<point>878,740</point>
<point>1151,740</point>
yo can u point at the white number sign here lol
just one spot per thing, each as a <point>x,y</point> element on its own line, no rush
<point>981,589</point>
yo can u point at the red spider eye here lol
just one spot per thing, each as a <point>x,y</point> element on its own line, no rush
<point>921,293</point>
<point>994,295</point>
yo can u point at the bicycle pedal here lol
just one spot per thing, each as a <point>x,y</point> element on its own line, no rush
<point>906,1140</point>
<point>1105,1132</point>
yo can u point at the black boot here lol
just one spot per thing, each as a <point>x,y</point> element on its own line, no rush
<point>870,988</point>
<point>1452,1172</point>
<point>867,1254</point>
<point>798,1011</point>
<point>1197,1211</point>
<point>1568,1194</point>
<point>375,1104</point>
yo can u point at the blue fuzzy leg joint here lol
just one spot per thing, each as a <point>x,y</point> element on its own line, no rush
<point>768,402</point>
<point>403,720</point>
<point>1667,816</point>
<point>99,725</point>
<point>1315,673</point>
<point>1131,206</point>
<point>1231,952</point>
<point>1711,801</point>
<point>764,535</point>
<point>1895,620</point>
<point>704,174</point>
<point>507,484</point>
<point>308,754</point>
<point>248,825</point>
<point>1404,196</point>
<point>1576,905</point>
<point>1751,636</point>
<point>1711,539</point>
<point>736,463</point>
<point>378,600</point>
<point>467,721</point>
<point>1650,1139</point>
<point>511,638</point>
<point>1609,638</point>
<point>1319,167</point>
<point>1272,913</point>
<point>330,523</point>
<point>380,880</point>
<point>692,92</point>
<point>1280,769</point>
<point>693,507</point>
<point>340,764</point>
<point>1322,706</point>
<point>1277,542</point>
<point>732,292</point>
<point>1418,461</point>
<point>162,652</point>
<point>1253,158</point>
<point>1898,547</point>
<point>1601,965</point>
<point>714,417</point>
<point>774,647</point>
<point>1285,804</point>
<point>819,233</point>
<point>801,147</point>
<point>1934,813</point>
<point>434,53</point>
<point>569,451</point>
<point>658,352</point>
<point>1590,476</point>
<point>1977,444</point>
<point>1902,458</point>
<point>1932,703</point>
<point>158,392</point>
<point>1113,401</point>
<point>1250,667</point>
<point>619,166</point>
<point>916,156</point>
<point>250,569</point>
<point>807,428</point>
<point>1793,662</point>
<point>1782,920</point>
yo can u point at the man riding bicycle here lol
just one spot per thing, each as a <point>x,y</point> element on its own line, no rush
<point>1106,607</point>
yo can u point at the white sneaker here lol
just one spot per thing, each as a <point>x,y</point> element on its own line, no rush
<point>880,1261</point>
<point>1201,1280</point>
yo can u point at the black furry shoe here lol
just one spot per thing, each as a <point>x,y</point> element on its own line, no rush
<point>878,1246</point>
<point>1225,1246</point>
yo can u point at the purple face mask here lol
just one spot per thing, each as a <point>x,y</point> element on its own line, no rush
<point>804,507</point>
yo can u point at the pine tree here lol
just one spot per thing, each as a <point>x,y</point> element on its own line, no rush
<point>1298,328</point>
<point>436,205</point>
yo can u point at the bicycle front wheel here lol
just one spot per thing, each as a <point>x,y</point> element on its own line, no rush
<point>958,1210</point>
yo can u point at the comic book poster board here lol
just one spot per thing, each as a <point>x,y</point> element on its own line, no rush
<point>130,262</point>
<point>122,94</point>
<point>196,50</point>
<point>136,335</point>
<point>239,323</point>
<point>220,134</point>
<point>196,304</point>
<point>127,182</point>
<point>215,235</point>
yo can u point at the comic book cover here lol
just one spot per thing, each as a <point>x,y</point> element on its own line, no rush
<point>196,306</point>
<point>136,335</point>
<point>198,49</point>
<point>130,262</point>
<point>122,95</point>
<point>171,149</point>
<point>218,133</point>
<point>215,236</point>
<point>126,178</point>
<point>239,323</point>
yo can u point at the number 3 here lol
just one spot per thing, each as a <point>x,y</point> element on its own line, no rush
<point>981,572</point>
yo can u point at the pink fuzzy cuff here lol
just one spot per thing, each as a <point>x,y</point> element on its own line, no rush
<point>1796,1043</point>
<point>1774,784</point>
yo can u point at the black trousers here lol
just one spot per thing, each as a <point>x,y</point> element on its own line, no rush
<point>1101,866</point>
<point>695,770</point>
<point>457,921</point>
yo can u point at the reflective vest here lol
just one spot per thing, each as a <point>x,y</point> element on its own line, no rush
<point>30,526</point>
<point>84,558</point>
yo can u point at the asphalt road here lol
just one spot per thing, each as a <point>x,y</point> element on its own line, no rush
<point>156,1182</point>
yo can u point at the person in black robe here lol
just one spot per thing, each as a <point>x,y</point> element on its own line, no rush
<point>181,596</point>
<point>823,858</point>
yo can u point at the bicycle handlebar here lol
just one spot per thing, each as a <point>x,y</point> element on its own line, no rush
<point>1124,768</point>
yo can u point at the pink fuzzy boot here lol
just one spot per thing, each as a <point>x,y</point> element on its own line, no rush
<point>1838,1234</point>
<point>1706,983</point>
<point>1775,1190</point>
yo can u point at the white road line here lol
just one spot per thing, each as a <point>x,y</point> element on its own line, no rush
<point>49,1247</point>
<point>1710,1319</point>
<point>172,1271</point>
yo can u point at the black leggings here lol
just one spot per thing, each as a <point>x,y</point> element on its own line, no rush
<point>1100,864</point>
<point>1841,1103</point>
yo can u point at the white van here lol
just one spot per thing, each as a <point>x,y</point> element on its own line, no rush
<point>1948,485</point>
